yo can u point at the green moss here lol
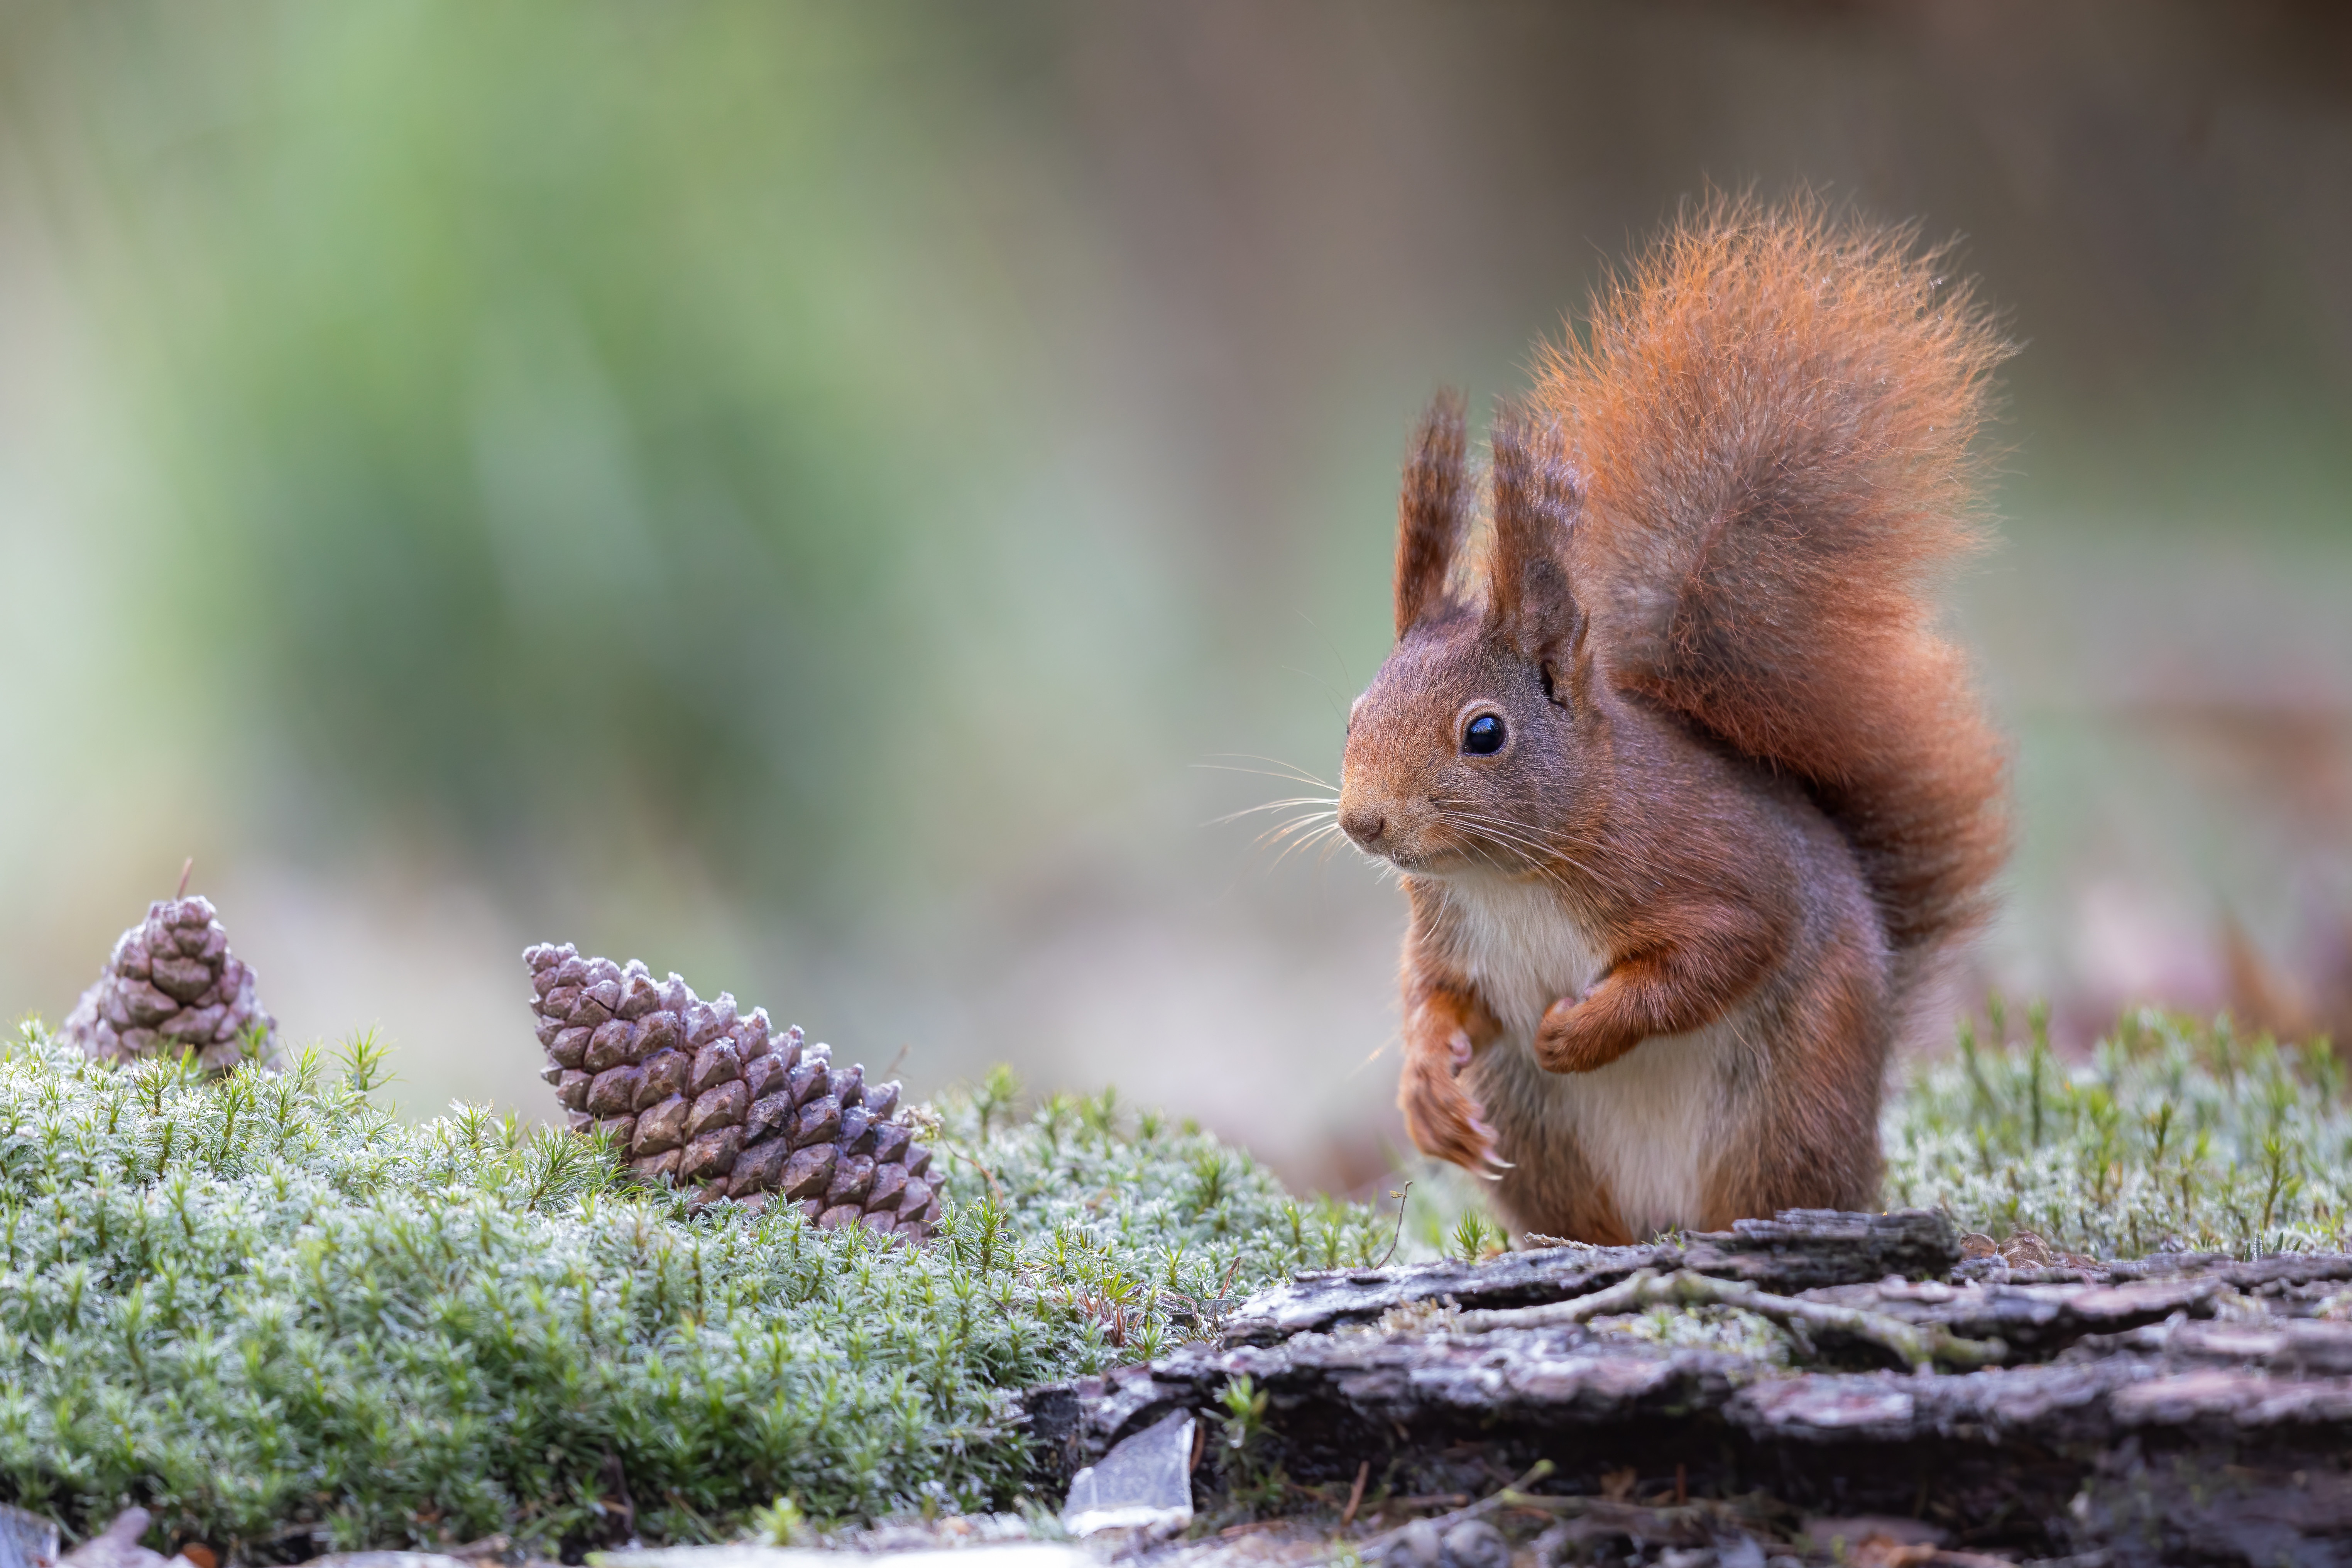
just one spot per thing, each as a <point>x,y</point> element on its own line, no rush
<point>269,1312</point>
<point>2175,1135</point>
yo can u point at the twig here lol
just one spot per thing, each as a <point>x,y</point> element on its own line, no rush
<point>1511,1496</point>
<point>955,1154</point>
<point>1402,1198</point>
<point>1536,1238</point>
<point>1356,1494</point>
<point>1918,1345</point>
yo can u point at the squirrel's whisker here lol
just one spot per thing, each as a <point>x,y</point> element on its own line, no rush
<point>1331,843</point>
<point>1274,806</point>
<point>1499,830</point>
<point>1277,833</point>
<point>1290,770</point>
<point>1537,861</point>
<point>1525,836</point>
<point>1455,808</point>
<point>1300,843</point>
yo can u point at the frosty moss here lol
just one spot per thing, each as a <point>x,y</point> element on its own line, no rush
<point>264,1308</point>
<point>2175,1135</point>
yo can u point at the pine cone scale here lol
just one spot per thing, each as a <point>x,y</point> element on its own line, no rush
<point>771,1114</point>
<point>193,1025</point>
<point>761,1075</point>
<point>608,1046</point>
<point>852,1177</point>
<point>613,1091</point>
<point>808,1171</point>
<point>663,1128</point>
<point>666,1074</point>
<point>759,1168</point>
<point>183,979</point>
<point>713,1153</point>
<point>140,1003</point>
<point>714,1064</point>
<point>722,1107</point>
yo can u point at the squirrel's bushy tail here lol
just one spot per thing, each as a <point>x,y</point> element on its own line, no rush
<point>1774,412</point>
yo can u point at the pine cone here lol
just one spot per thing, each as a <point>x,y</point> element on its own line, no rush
<point>172,985</point>
<point>692,1092</point>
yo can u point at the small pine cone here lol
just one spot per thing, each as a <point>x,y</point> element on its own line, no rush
<point>694,1093</point>
<point>173,985</point>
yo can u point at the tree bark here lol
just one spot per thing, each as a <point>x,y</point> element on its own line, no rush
<point>2176,1408</point>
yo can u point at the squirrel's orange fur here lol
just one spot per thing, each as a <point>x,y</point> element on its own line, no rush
<point>1741,797</point>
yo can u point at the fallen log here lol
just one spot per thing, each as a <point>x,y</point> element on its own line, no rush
<point>1803,1249</point>
<point>2168,1409</point>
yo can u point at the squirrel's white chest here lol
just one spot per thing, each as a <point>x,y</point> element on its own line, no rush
<point>1649,1123</point>
<point>1521,947</point>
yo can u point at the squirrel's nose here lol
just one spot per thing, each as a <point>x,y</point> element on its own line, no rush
<point>1363,825</point>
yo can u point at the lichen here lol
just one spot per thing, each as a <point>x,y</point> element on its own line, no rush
<point>1730,1329</point>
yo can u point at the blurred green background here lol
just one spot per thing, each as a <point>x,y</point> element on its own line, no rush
<point>813,496</point>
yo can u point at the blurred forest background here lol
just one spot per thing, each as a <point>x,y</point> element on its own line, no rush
<point>809,495</point>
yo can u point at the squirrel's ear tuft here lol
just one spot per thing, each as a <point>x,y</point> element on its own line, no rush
<point>1538,501</point>
<point>1432,511</point>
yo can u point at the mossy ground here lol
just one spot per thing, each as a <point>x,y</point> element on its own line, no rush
<point>2175,1135</point>
<point>283,1320</point>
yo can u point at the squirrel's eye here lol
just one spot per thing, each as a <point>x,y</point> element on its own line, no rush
<point>1483,736</point>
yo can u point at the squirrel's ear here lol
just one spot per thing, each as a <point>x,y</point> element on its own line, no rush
<point>1432,511</point>
<point>1538,501</point>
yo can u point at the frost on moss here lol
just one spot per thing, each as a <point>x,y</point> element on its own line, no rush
<point>267,1311</point>
<point>2175,1135</point>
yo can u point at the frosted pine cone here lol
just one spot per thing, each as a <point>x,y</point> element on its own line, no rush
<point>694,1093</point>
<point>173,985</point>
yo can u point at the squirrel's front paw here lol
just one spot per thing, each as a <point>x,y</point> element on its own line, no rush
<point>1443,1121</point>
<point>1579,1033</point>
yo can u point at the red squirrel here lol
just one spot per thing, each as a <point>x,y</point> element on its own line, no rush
<point>1690,798</point>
